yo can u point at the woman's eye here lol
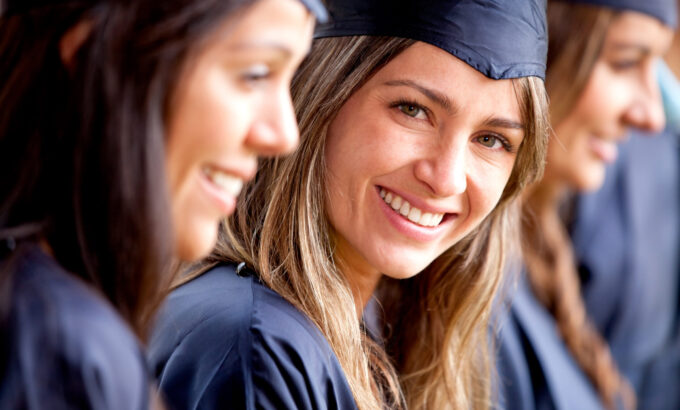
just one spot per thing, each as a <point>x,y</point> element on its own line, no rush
<point>624,64</point>
<point>490,141</point>
<point>412,110</point>
<point>256,72</point>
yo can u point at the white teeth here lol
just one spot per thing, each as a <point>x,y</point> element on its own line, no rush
<point>396,203</point>
<point>414,215</point>
<point>407,210</point>
<point>388,198</point>
<point>436,219</point>
<point>229,183</point>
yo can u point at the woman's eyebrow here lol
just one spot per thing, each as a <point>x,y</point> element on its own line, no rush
<point>434,95</point>
<point>503,123</point>
<point>619,46</point>
<point>283,49</point>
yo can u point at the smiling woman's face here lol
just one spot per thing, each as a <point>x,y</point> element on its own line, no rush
<point>416,158</point>
<point>232,106</point>
<point>621,92</point>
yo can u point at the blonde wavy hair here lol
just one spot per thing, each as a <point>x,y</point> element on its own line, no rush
<point>577,34</point>
<point>281,229</point>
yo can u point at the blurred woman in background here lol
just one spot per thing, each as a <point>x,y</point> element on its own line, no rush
<point>127,129</point>
<point>601,81</point>
<point>626,238</point>
<point>405,170</point>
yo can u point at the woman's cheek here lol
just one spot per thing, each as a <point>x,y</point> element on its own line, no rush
<point>487,185</point>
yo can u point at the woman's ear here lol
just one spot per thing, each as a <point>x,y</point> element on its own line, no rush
<point>72,40</point>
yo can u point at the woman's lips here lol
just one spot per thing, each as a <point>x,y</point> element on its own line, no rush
<point>410,212</point>
<point>228,183</point>
<point>606,150</point>
<point>438,223</point>
<point>221,187</point>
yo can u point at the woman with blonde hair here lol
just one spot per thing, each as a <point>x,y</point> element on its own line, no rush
<point>601,79</point>
<point>419,127</point>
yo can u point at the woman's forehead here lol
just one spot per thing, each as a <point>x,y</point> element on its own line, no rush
<point>446,80</point>
<point>634,30</point>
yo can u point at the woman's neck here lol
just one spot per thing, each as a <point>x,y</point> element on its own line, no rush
<point>363,286</point>
<point>362,277</point>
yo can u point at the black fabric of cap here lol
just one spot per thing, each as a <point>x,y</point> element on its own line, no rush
<point>664,10</point>
<point>499,38</point>
<point>7,7</point>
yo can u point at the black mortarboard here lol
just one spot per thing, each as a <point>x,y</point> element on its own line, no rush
<point>499,38</point>
<point>7,7</point>
<point>664,10</point>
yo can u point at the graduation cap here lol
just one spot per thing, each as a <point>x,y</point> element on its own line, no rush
<point>8,7</point>
<point>499,38</point>
<point>664,10</point>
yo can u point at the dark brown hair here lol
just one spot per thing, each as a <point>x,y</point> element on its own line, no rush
<point>82,149</point>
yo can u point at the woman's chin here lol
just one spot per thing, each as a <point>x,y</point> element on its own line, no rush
<point>404,269</point>
<point>590,178</point>
<point>196,244</point>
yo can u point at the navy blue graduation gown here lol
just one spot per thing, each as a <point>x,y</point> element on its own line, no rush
<point>64,346</point>
<point>227,341</point>
<point>536,371</point>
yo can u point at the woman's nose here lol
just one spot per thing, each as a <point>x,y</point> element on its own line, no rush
<point>445,170</point>
<point>646,110</point>
<point>274,130</point>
